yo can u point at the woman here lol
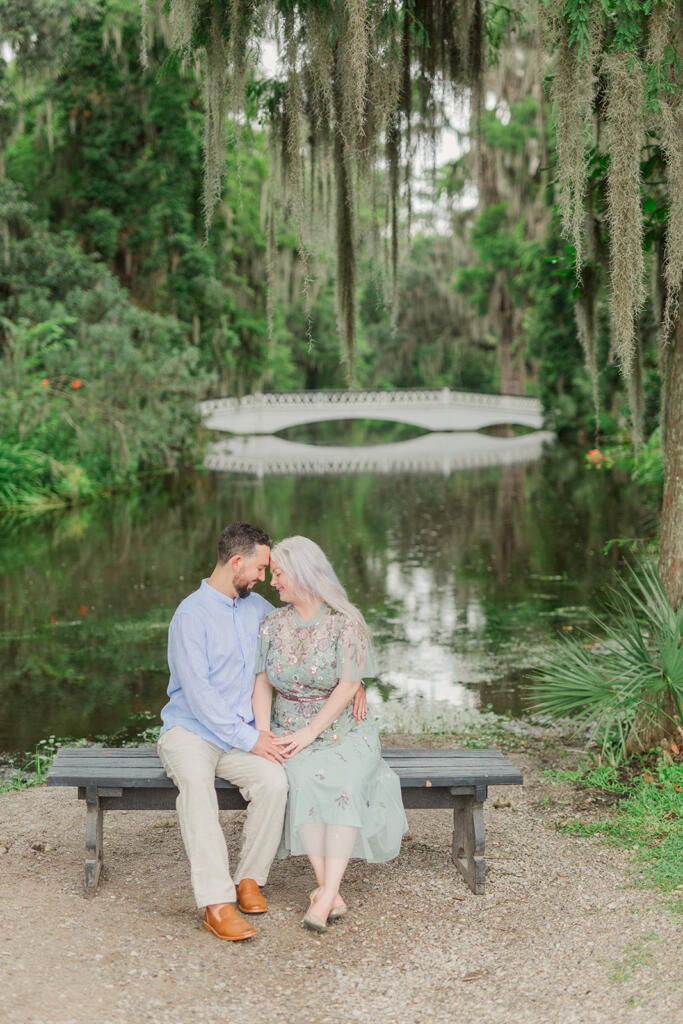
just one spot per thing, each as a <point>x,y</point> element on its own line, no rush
<point>344,801</point>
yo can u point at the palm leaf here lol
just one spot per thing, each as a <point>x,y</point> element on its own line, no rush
<point>609,680</point>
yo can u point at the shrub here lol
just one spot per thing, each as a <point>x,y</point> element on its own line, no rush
<point>627,678</point>
<point>95,390</point>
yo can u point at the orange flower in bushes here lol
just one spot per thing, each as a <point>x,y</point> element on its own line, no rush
<point>77,383</point>
<point>45,382</point>
<point>595,459</point>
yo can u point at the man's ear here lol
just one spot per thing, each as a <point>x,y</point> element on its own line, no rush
<point>235,563</point>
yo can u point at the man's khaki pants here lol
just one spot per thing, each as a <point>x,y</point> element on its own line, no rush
<point>193,763</point>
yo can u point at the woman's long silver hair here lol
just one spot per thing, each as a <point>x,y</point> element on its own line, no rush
<point>309,569</point>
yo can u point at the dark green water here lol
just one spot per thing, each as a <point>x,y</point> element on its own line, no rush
<point>463,578</point>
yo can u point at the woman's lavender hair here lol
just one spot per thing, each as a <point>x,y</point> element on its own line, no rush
<point>309,569</point>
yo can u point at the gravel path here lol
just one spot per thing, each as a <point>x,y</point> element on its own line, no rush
<point>561,935</point>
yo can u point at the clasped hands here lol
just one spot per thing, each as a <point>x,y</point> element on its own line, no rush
<point>278,748</point>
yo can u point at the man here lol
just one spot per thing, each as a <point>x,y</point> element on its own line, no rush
<point>208,731</point>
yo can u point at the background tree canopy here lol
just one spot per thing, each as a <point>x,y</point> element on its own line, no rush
<point>265,214</point>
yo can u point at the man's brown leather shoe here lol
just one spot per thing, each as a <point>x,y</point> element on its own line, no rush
<point>226,923</point>
<point>250,898</point>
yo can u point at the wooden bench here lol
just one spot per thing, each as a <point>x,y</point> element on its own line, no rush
<point>133,779</point>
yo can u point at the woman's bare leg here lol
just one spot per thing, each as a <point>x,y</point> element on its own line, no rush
<point>318,865</point>
<point>313,839</point>
<point>339,840</point>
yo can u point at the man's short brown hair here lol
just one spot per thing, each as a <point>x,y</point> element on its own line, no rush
<point>240,539</point>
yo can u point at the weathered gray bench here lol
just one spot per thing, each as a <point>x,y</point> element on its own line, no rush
<point>133,779</point>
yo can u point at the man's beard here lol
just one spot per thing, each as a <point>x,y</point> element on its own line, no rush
<point>243,589</point>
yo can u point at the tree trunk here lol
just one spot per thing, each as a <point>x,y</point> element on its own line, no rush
<point>510,351</point>
<point>651,728</point>
<point>671,523</point>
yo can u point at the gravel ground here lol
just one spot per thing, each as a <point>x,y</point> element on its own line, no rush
<point>561,936</point>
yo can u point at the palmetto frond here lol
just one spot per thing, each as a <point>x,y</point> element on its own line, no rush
<point>613,681</point>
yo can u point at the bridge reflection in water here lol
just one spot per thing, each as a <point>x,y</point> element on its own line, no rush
<point>432,453</point>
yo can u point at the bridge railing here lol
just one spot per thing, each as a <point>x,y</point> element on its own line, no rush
<point>405,396</point>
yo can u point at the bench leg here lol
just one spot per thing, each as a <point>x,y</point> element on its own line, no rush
<point>93,840</point>
<point>468,841</point>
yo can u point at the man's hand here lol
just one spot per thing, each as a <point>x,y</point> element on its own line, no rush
<point>360,704</point>
<point>269,746</point>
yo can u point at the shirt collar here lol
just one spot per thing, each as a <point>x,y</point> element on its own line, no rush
<point>223,599</point>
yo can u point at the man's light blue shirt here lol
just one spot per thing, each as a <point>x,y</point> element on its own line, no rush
<point>211,655</point>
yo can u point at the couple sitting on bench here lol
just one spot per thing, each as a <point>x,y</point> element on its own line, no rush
<point>272,701</point>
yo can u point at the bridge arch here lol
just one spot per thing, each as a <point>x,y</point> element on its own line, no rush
<point>436,410</point>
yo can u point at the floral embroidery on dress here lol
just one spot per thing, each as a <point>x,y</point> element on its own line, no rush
<point>336,776</point>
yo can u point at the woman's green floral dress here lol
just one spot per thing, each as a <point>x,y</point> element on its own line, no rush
<point>340,778</point>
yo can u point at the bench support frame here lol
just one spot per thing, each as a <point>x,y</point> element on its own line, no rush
<point>469,838</point>
<point>468,821</point>
<point>94,830</point>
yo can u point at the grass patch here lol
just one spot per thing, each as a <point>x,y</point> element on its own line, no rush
<point>648,817</point>
<point>142,727</point>
<point>636,955</point>
<point>33,770</point>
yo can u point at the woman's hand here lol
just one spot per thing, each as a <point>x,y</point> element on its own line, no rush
<point>360,704</point>
<point>294,742</point>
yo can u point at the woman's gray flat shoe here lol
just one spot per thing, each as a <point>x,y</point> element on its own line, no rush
<point>336,913</point>
<point>315,923</point>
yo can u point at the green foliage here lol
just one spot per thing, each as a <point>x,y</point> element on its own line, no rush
<point>96,391</point>
<point>616,683</point>
<point>32,771</point>
<point>142,727</point>
<point>111,152</point>
<point>644,465</point>
<point>26,476</point>
<point>512,137</point>
<point>649,815</point>
<point>431,344</point>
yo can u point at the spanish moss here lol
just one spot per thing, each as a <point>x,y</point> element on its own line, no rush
<point>625,139</point>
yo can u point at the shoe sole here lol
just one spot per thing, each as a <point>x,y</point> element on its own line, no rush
<point>245,910</point>
<point>229,938</point>
<point>319,929</point>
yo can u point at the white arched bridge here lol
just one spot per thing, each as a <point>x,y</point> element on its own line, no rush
<point>432,410</point>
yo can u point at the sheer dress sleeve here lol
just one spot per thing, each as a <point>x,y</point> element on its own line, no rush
<point>355,655</point>
<point>262,645</point>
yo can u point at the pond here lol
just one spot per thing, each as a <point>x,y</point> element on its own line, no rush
<point>464,577</point>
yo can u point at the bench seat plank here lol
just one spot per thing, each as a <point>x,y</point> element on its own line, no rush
<point>141,767</point>
<point>149,753</point>
<point>135,778</point>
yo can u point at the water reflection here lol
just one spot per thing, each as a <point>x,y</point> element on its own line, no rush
<point>419,659</point>
<point>429,453</point>
<point>463,577</point>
